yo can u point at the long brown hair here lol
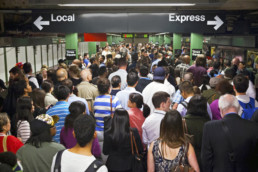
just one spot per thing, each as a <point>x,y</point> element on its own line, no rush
<point>171,130</point>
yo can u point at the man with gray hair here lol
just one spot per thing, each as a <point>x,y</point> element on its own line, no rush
<point>230,144</point>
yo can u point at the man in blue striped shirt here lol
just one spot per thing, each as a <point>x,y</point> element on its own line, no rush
<point>61,108</point>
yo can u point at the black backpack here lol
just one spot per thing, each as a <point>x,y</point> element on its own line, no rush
<point>94,166</point>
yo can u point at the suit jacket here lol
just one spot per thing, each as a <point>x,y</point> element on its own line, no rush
<point>215,145</point>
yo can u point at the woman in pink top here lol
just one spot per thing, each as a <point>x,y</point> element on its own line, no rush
<point>136,116</point>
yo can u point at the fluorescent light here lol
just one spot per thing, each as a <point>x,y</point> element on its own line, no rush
<point>128,5</point>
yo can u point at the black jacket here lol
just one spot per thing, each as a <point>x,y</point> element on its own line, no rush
<point>142,83</point>
<point>215,145</point>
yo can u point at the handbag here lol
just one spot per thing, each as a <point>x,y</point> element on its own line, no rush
<point>138,160</point>
<point>189,137</point>
<point>182,166</point>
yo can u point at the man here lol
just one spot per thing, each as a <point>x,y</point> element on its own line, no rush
<point>159,57</point>
<point>120,72</point>
<point>116,85</point>
<point>123,96</point>
<point>229,144</point>
<point>151,125</point>
<point>61,108</point>
<point>61,74</point>
<point>155,86</point>
<point>184,66</point>
<point>87,90</point>
<point>212,94</point>
<point>240,86</point>
<point>73,97</point>
<point>79,158</point>
<point>28,73</point>
<point>144,80</point>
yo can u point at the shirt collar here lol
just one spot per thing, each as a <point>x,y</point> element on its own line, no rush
<point>159,112</point>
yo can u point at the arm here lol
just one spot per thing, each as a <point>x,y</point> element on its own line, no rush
<point>95,149</point>
<point>150,160</point>
<point>137,140</point>
<point>144,135</point>
<point>24,129</point>
<point>192,158</point>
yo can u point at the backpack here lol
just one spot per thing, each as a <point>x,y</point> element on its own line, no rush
<point>248,109</point>
<point>93,167</point>
<point>185,104</point>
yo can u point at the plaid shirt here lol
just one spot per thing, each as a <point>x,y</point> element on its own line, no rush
<point>178,98</point>
<point>183,68</point>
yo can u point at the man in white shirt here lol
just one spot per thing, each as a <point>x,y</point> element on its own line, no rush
<point>120,72</point>
<point>79,158</point>
<point>28,73</point>
<point>155,86</point>
<point>151,125</point>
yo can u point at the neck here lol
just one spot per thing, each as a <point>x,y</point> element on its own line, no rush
<point>122,67</point>
<point>4,132</point>
<point>238,94</point>
<point>116,88</point>
<point>159,109</point>
<point>86,150</point>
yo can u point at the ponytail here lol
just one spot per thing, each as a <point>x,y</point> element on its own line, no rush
<point>146,110</point>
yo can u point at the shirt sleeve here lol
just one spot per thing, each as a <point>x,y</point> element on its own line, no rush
<point>24,130</point>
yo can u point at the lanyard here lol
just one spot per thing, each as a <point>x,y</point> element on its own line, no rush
<point>2,134</point>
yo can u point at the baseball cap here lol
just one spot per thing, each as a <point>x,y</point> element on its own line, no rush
<point>159,73</point>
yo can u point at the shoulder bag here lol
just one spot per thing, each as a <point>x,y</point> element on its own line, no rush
<point>189,137</point>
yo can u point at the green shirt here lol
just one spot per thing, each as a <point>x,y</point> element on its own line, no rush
<point>38,159</point>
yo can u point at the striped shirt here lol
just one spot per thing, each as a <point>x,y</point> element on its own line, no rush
<point>23,130</point>
<point>61,109</point>
<point>102,109</point>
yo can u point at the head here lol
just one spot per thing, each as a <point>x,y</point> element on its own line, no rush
<point>44,71</point>
<point>186,89</point>
<point>144,71</point>
<point>201,61</point>
<point>186,59</point>
<point>197,106</point>
<point>122,62</point>
<point>78,63</point>
<point>5,124</point>
<point>230,73</point>
<point>120,126</point>
<point>68,83</point>
<point>103,86</point>
<point>76,108</point>
<point>47,86</point>
<point>21,87</point>
<point>86,75</point>
<point>24,109</point>
<point>74,71</point>
<point>228,104</point>
<point>103,71</point>
<point>214,81</point>
<point>188,76</point>
<point>171,129</point>
<point>84,134</point>
<point>62,93</point>
<point>161,100</point>
<point>61,74</point>
<point>8,158</point>
<point>216,65</point>
<point>132,78</point>
<point>240,84</point>
<point>51,75</point>
<point>38,97</point>
<point>27,68</point>
<point>224,87</point>
<point>16,73</point>
<point>235,61</point>
<point>159,74</point>
<point>116,81</point>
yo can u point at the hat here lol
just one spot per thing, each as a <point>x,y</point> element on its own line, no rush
<point>214,81</point>
<point>118,56</point>
<point>37,127</point>
<point>2,84</point>
<point>50,120</point>
<point>159,73</point>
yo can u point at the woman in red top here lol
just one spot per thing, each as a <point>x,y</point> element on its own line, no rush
<point>11,144</point>
<point>136,116</point>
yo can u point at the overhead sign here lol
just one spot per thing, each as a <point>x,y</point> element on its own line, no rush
<point>187,22</point>
<point>195,53</point>
<point>95,37</point>
<point>130,35</point>
<point>70,54</point>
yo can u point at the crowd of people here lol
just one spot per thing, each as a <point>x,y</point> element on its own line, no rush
<point>92,113</point>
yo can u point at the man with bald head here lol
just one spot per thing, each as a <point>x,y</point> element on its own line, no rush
<point>61,74</point>
<point>184,66</point>
<point>87,90</point>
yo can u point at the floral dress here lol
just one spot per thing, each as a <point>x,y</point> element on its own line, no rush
<point>162,164</point>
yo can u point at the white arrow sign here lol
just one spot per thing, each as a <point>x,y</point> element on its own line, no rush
<point>218,22</point>
<point>39,23</point>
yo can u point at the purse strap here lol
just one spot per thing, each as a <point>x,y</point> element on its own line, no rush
<point>133,144</point>
<point>5,143</point>
<point>184,126</point>
<point>111,107</point>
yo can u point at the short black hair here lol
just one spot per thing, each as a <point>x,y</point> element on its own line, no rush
<point>144,71</point>
<point>241,83</point>
<point>132,78</point>
<point>18,87</point>
<point>197,106</point>
<point>61,92</point>
<point>159,97</point>
<point>115,81</point>
<point>15,70</point>
<point>216,65</point>
<point>230,73</point>
<point>47,85</point>
<point>103,85</point>
<point>122,62</point>
<point>92,59</point>
<point>27,67</point>
<point>109,56</point>
<point>68,83</point>
<point>102,70</point>
<point>187,87</point>
<point>84,133</point>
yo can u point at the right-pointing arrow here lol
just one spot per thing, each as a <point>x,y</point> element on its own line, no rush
<point>38,23</point>
<point>218,22</point>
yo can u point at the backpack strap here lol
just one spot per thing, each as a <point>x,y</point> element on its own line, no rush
<point>57,167</point>
<point>251,103</point>
<point>5,143</point>
<point>184,103</point>
<point>94,166</point>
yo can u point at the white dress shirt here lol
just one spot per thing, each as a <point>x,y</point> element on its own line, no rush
<point>123,96</point>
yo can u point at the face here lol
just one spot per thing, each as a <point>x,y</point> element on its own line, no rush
<point>32,107</point>
<point>166,105</point>
<point>28,88</point>
<point>241,66</point>
<point>7,127</point>
<point>44,73</point>
<point>53,131</point>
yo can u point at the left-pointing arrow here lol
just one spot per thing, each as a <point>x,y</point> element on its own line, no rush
<point>39,23</point>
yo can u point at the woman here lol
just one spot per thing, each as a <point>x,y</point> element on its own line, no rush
<point>37,154</point>
<point>38,97</point>
<point>11,143</point>
<point>117,142</point>
<point>136,116</point>
<point>66,136</point>
<point>49,99</point>
<point>195,119</point>
<point>165,153</point>
<point>24,117</point>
